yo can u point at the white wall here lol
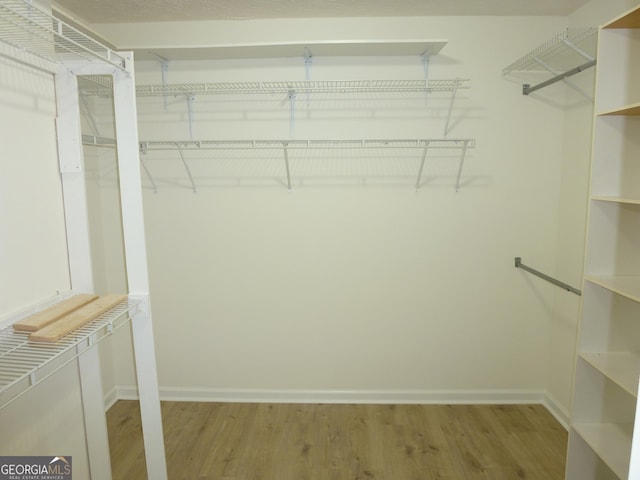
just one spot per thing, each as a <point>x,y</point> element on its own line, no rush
<point>33,259</point>
<point>337,286</point>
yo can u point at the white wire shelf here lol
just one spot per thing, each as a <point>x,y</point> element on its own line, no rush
<point>421,143</point>
<point>96,86</point>
<point>321,86</point>
<point>285,148</point>
<point>288,87</point>
<point>568,52</point>
<point>24,363</point>
<point>34,36</point>
<point>557,49</point>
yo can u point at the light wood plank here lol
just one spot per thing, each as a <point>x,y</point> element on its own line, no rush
<point>626,110</point>
<point>41,319</point>
<point>630,19</point>
<point>77,318</point>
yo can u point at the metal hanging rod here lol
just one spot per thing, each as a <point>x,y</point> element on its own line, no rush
<point>304,144</point>
<point>569,288</point>
<point>285,88</point>
<point>527,89</point>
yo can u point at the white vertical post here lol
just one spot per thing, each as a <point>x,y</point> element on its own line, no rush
<point>124,100</point>
<point>79,251</point>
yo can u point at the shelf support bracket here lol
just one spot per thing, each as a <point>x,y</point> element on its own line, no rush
<point>286,165</point>
<point>292,112</point>
<point>451,102</point>
<point>146,171</point>
<point>164,72</point>
<point>308,61</point>
<point>462,155</point>
<point>424,157</point>
<point>579,51</point>
<point>186,167</point>
<point>425,65</point>
<point>569,288</point>
<point>190,100</point>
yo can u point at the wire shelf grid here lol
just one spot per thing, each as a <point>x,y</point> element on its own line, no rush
<point>288,87</point>
<point>25,363</point>
<point>304,144</point>
<point>30,30</point>
<point>562,48</point>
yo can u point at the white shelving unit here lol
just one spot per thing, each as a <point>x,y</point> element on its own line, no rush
<point>290,91</point>
<point>37,39</point>
<point>568,52</point>
<point>604,439</point>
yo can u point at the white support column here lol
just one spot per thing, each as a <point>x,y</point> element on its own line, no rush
<point>79,251</point>
<point>124,99</point>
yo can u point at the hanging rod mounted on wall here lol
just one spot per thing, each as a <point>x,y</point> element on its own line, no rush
<point>569,288</point>
<point>527,89</point>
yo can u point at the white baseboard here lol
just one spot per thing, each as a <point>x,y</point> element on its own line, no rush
<point>110,398</point>
<point>557,410</point>
<point>469,397</point>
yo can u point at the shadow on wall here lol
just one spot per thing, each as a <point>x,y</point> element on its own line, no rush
<point>194,170</point>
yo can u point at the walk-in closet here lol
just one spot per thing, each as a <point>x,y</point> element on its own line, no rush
<point>319,240</point>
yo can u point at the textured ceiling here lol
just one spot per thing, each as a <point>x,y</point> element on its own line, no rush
<point>125,11</point>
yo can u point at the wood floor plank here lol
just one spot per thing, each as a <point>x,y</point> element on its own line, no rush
<point>239,441</point>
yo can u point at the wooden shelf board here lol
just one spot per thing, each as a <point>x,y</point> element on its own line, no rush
<point>24,364</point>
<point>55,312</point>
<point>622,368</point>
<point>625,110</point>
<point>627,286</point>
<point>612,199</point>
<point>630,19</point>
<point>611,442</point>
<point>79,317</point>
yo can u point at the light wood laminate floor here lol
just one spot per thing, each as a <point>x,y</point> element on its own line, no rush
<point>240,441</point>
